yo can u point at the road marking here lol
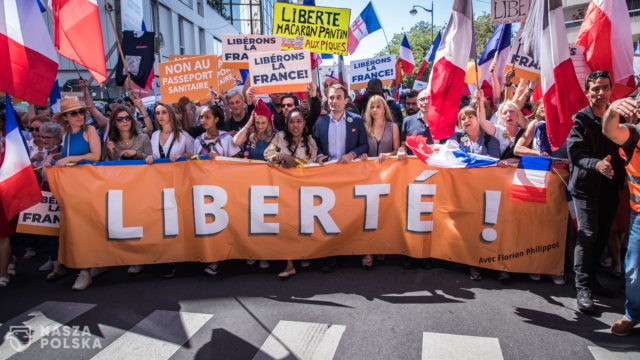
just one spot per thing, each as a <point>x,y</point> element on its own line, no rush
<point>38,321</point>
<point>301,340</point>
<point>459,347</point>
<point>600,353</point>
<point>158,336</point>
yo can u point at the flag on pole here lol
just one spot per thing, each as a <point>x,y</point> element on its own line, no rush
<point>545,36</point>
<point>605,34</point>
<point>446,84</point>
<point>55,97</point>
<point>366,23</point>
<point>28,59</point>
<point>342,72</point>
<point>19,188</point>
<point>78,35</point>
<point>530,179</point>
<point>497,48</point>
<point>430,56</point>
<point>406,57</point>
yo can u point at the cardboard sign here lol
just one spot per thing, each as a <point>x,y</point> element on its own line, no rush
<point>579,63</point>
<point>282,71</point>
<point>227,78</point>
<point>361,71</point>
<point>509,11</point>
<point>527,68</point>
<point>419,85</point>
<point>212,210</point>
<point>42,218</point>
<point>181,57</point>
<point>236,48</point>
<point>193,77</point>
<point>315,28</point>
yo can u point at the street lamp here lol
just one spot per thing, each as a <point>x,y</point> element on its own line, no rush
<point>414,11</point>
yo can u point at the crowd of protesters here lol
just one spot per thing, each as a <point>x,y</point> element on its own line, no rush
<point>602,152</point>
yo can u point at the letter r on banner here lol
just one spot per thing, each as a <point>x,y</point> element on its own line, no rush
<point>202,209</point>
<point>309,212</point>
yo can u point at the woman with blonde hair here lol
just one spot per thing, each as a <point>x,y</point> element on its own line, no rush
<point>383,136</point>
<point>255,137</point>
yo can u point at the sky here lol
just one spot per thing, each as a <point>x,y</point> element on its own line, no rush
<point>395,18</point>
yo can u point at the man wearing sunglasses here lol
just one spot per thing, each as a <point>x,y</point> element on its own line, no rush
<point>290,102</point>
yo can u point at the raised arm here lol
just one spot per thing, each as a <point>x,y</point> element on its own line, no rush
<point>99,117</point>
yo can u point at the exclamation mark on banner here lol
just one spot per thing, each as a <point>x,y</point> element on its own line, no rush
<point>491,207</point>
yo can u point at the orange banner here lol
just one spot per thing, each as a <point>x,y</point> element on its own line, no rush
<point>213,210</point>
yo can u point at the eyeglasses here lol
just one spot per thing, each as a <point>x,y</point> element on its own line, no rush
<point>277,105</point>
<point>30,129</point>
<point>124,118</point>
<point>46,137</point>
<point>288,105</point>
<point>76,112</point>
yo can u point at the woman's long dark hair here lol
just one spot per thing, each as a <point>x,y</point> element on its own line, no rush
<point>288,136</point>
<point>114,133</point>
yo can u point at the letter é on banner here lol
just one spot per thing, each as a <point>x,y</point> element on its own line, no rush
<point>309,211</point>
<point>208,201</point>
<point>115,215</point>
<point>416,207</point>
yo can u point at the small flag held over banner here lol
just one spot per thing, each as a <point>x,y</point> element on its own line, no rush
<point>531,179</point>
<point>451,155</point>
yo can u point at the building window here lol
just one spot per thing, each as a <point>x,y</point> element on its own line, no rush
<point>200,8</point>
<point>181,44</point>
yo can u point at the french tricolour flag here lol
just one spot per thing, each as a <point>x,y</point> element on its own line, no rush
<point>27,57</point>
<point>430,56</point>
<point>451,155</point>
<point>497,48</point>
<point>406,57</point>
<point>545,35</point>
<point>446,85</point>
<point>605,33</point>
<point>366,23</point>
<point>19,188</point>
<point>531,178</point>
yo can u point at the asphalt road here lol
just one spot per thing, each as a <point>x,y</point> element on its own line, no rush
<point>245,313</point>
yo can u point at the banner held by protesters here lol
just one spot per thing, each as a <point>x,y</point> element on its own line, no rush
<point>236,48</point>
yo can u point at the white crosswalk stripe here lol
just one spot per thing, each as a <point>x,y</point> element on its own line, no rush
<point>27,328</point>
<point>600,353</point>
<point>158,336</point>
<point>301,340</point>
<point>437,346</point>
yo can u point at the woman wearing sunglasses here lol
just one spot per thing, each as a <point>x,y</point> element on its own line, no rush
<point>123,141</point>
<point>79,141</point>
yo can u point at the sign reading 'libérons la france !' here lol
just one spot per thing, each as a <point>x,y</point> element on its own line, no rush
<point>361,71</point>
<point>280,71</point>
<point>313,28</point>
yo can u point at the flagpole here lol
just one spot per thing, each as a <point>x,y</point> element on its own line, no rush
<point>109,8</point>
<point>381,27</point>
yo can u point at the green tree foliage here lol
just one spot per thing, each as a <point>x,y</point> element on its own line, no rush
<point>419,37</point>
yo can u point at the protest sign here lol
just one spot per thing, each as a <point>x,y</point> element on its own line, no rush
<point>181,57</point>
<point>236,48</point>
<point>42,218</point>
<point>419,85</point>
<point>193,77</point>
<point>509,11</point>
<point>314,28</point>
<point>579,63</point>
<point>527,68</point>
<point>281,71</point>
<point>227,78</point>
<point>219,209</point>
<point>361,71</point>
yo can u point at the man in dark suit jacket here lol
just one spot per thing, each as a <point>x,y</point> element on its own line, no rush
<point>340,135</point>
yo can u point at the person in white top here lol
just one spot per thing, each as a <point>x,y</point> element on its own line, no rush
<point>509,128</point>
<point>214,142</point>
<point>170,141</point>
